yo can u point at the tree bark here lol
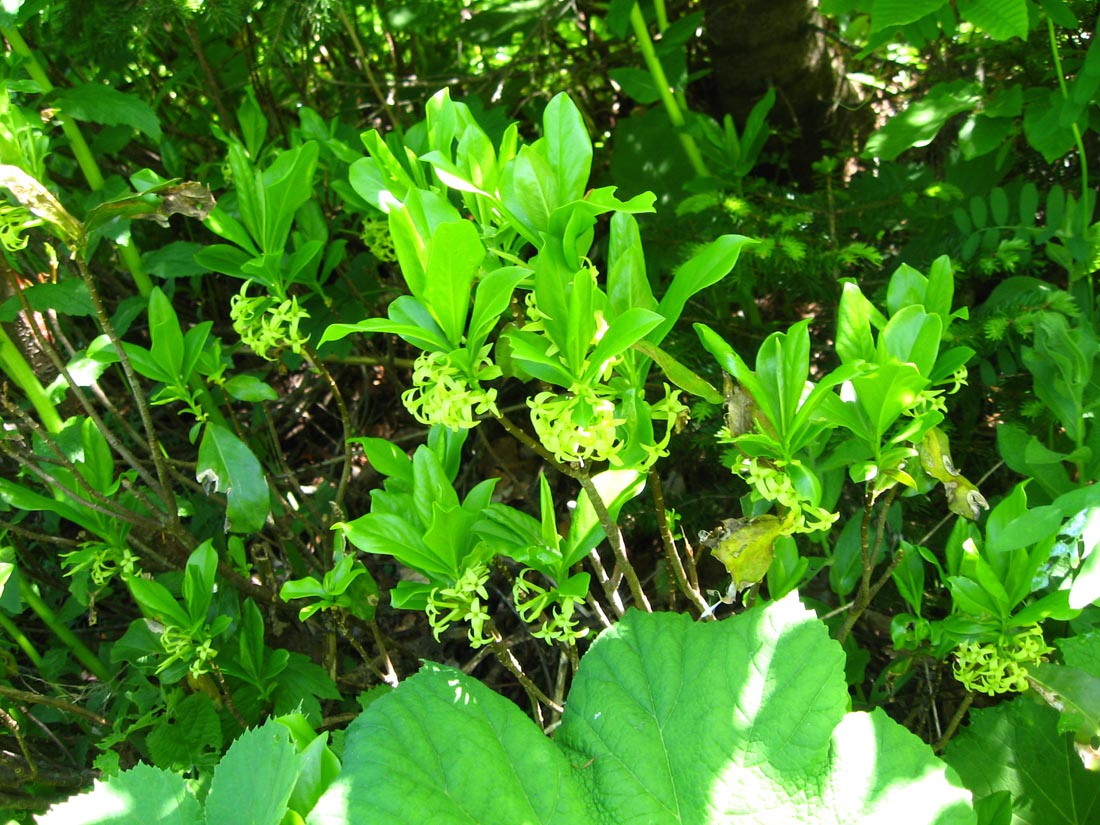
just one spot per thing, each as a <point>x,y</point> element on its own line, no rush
<point>757,44</point>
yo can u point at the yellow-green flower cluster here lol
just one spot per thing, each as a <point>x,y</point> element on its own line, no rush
<point>935,399</point>
<point>266,324</point>
<point>102,560</point>
<point>445,393</point>
<point>773,484</point>
<point>531,601</point>
<point>377,238</point>
<point>464,602</point>
<point>1000,667</point>
<point>579,426</point>
<point>179,644</point>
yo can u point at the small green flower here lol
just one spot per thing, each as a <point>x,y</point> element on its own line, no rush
<point>1000,667</point>
<point>266,324</point>
<point>465,601</point>
<point>772,483</point>
<point>577,427</point>
<point>532,601</point>
<point>377,238</point>
<point>445,393</point>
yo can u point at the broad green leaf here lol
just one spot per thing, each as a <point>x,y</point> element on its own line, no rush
<point>529,191</point>
<point>668,721</point>
<point>188,734</point>
<point>98,464</point>
<point>782,368</point>
<point>627,284</point>
<point>855,317</point>
<point>498,768</point>
<point>198,580</point>
<point>223,258</point>
<point>454,255</point>
<point>567,147</point>
<point>706,267</point>
<point>253,782</point>
<point>387,458</point>
<point>230,466</point>
<point>912,336</point>
<point>493,295</point>
<point>919,124</point>
<point>622,333</point>
<point>886,14</point>
<point>389,535</point>
<point>131,798</point>
<point>1016,747</point>
<point>1072,692</point>
<point>157,602</point>
<point>244,387</point>
<point>97,103</point>
<point>1000,19</point>
<point>165,334</point>
<point>282,188</point>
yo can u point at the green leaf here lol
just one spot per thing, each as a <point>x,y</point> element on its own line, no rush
<point>706,267</point>
<point>1015,747</point>
<point>887,14</point>
<point>567,147</point>
<point>668,721</point>
<point>493,295</point>
<point>165,335</point>
<point>680,375</point>
<point>189,734</point>
<point>622,333</point>
<point>627,284</point>
<point>253,782</point>
<point>855,317</point>
<point>1072,692</point>
<point>919,124</point>
<point>1000,19</point>
<point>198,580</point>
<point>226,462</point>
<point>454,255</point>
<point>244,387</point>
<point>157,602</point>
<point>97,103</point>
<point>129,799</point>
<point>499,768</point>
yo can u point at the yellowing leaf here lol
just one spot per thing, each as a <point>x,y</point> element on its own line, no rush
<point>746,547</point>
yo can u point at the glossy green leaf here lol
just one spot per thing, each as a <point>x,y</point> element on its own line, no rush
<point>227,463</point>
<point>166,336</point>
<point>157,602</point>
<point>627,283</point>
<point>454,256</point>
<point>706,267</point>
<point>567,147</point>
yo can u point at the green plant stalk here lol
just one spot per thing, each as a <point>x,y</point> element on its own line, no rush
<point>20,638</point>
<point>15,366</point>
<point>62,632</point>
<point>657,72</point>
<point>662,23</point>
<point>1083,160</point>
<point>81,151</point>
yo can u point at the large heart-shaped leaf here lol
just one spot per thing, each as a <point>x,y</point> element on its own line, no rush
<point>668,721</point>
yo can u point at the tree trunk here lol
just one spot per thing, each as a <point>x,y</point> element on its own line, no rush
<point>757,44</point>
